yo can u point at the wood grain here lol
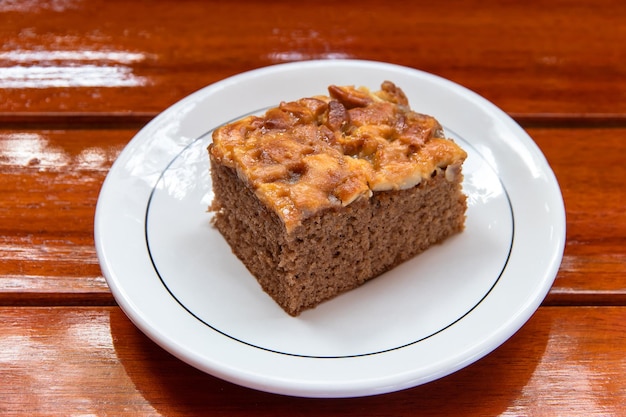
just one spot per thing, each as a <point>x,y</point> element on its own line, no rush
<point>543,58</point>
<point>49,186</point>
<point>93,361</point>
<point>78,79</point>
<point>50,180</point>
<point>593,270</point>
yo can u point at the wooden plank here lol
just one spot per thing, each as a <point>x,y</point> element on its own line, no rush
<point>50,180</point>
<point>49,186</point>
<point>93,361</point>
<point>551,59</point>
<point>588,165</point>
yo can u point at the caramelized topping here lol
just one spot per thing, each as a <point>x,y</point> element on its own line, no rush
<point>328,151</point>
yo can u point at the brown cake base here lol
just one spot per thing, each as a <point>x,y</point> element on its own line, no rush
<point>337,249</point>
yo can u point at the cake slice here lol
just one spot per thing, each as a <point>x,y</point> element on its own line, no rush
<point>321,194</point>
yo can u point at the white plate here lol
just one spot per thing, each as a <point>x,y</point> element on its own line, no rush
<point>177,280</point>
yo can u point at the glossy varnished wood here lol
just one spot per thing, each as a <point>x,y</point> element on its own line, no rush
<point>593,270</point>
<point>50,180</point>
<point>542,58</point>
<point>78,79</point>
<point>49,185</point>
<point>93,361</point>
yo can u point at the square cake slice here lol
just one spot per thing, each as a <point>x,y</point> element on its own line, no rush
<point>321,194</point>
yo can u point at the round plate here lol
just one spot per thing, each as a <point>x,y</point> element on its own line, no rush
<point>178,281</point>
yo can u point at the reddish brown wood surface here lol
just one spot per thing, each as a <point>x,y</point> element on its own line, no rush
<point>539,58</point>
<point>50,180</point>
<point>78,79</point>
<point>49,185</point>
<point>93,361</point>
<point>593,270</point>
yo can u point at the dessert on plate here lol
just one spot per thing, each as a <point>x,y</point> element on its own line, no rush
<point>321,194</point>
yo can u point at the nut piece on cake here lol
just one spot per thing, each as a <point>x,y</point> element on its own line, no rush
<point>321,194</point>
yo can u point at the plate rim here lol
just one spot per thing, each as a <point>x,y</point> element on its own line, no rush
<point>313,388</point>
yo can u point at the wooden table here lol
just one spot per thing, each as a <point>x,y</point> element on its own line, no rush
<point>78,79</point>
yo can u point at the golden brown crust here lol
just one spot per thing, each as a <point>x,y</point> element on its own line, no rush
<point>328,151</point>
